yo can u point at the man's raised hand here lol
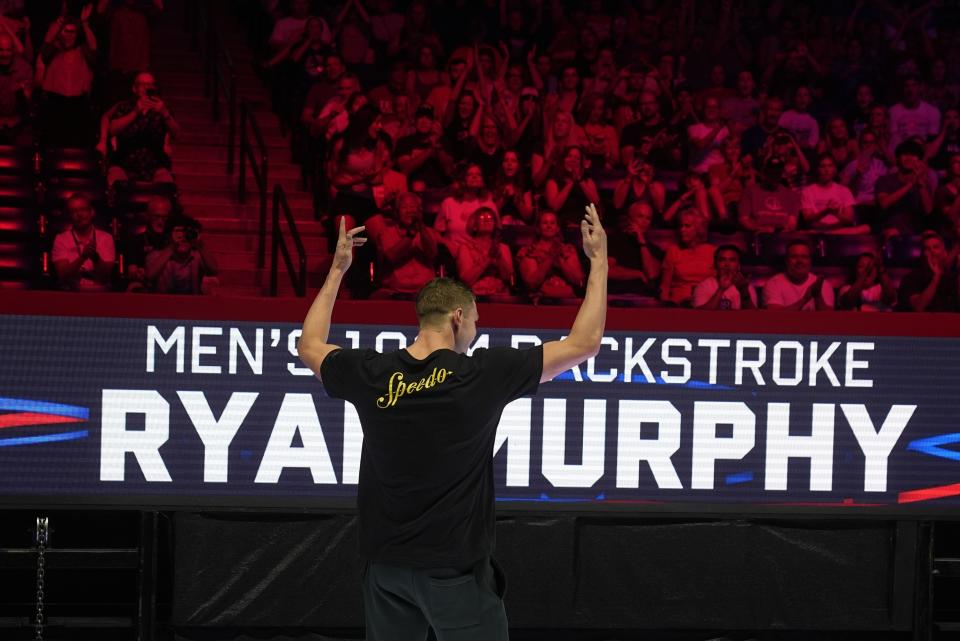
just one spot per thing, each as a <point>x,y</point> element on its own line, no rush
<point>346,241</point>
<point>594,237</point>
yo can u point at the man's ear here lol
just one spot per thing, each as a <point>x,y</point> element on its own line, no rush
<point>456,319</point>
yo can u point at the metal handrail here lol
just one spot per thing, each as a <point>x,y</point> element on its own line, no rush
<point>298,278</point>
<point>260,168</point>
<point>220,78</point>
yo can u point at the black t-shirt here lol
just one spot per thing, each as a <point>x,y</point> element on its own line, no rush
<point>945,298</point>
<point>664,138</point>
<point>431,171</point>
<point>425,497</point>
<point>625,249</point>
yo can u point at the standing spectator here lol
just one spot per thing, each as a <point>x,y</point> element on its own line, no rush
<point>484,263</point>
<point>913,116</point>
<point>291,27</point>
<point>358,160</point>
<point>64,71</point>
<point>634,262</point>
<point>420,156</point>
<point>142,126</point>
<point>602,146</point>
<point>182,266</point>
<point>728,288</point>
<point>869,288</point>
<point>740,110</point>
<point>406,248</point>
<point>688,262</point>
<point>83,256</point>
<point>325,87</point>
<point>905,196</point>
<point>798,121</point>
<point>427,75</point>
<point>944,145</point>
<point>698,197</point>
<point>767,206</point>
<point>129,37</point>
<point>827,206</point>
<point>561,135</point>
<point>570,189</point>
<point>16,89</point>
<point>650,137</point>
<point>706,138</point>
<point>729,178</point>
<point>489,148</point>
<point>510,192</point>
<point>550,267</point>
<point>797,288</point>
<point>932,285</point>
<point>471,194</point>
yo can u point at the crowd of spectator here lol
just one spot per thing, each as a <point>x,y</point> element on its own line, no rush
<point>74,77</point>
<point>469,135</point>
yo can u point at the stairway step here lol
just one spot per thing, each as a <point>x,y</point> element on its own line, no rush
<point>226,186</point>
<point>278,151</point>
<point>297,201</point>
<point>183,164</point>
<point>219,220</point>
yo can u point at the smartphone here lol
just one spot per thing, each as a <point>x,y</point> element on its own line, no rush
<point>153,93</point>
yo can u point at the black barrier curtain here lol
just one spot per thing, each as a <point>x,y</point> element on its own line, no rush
<point>563,573</point>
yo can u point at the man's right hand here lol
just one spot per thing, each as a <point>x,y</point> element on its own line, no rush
<point>594,236</point>
<point>346,241</point>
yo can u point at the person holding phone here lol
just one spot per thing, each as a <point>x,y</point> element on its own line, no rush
<point>142,127</point>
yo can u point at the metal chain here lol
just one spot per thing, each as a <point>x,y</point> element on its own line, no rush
<point>43,534</point>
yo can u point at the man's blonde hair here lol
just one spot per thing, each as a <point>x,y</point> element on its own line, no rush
<point>440,297</point>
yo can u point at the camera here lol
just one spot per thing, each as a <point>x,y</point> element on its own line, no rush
<point>153,93</point>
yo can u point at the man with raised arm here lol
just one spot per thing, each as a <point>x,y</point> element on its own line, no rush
<point>429,413</point>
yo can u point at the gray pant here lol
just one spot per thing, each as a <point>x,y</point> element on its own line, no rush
<point>465,604</point>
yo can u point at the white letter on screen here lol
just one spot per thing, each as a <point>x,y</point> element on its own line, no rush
<point>383,337</point>
<point>713,344</point>
<point>352,444</point>
<point>877,446</point>
<point>482,342</point>
<point>778,377</point>
<point>590,470</point>
<point>753,366</point>
<point>216,435</point>
<point>822,363</point>
<point>254,361</point>
<point>610,376</point>
<point>708,448</point>
<point>116,441</point>
<point>631,449</point>
<point>682,361</point>
<point>199,350</point>
<point>518,341</point>
<point>637,359</point>
<point>514,431</point>
<point>155,339</point>
<point>292,338</point>
<point>297,413</point>
<point>853,364</point>
<point>781,447</point>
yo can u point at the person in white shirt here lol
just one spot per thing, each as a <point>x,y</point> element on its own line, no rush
<point>729,288</point>
<point>798,121</point>
<point>797,288</point>
<point>913,116</point>
<point>83,255</point>
<point>827,206</point>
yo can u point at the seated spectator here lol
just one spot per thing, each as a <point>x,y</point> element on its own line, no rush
<point>651,138</point>
<point>688,262</point>
<point>484,263</point>
<point>601,144</point>
<point>634,263</point>
<point>861,175</point>
<point>838,143</point>
<point>827,206</point>
<point>696,196</point>
<point>932,285</point>
<point>869,288</point>
<point>729,178</point>
<point>154,238</point>
<point>406,248</point>
<point>796,167</point>
<point>570,189</point>
<point>948,194</point>
<point>905,196</point>
<point>65,72</point>
<point>913,116</point>
<point>142,127</point>
<point>798,121</point>
<point>797,288</point>
<point>561,135</point>
<point>420,156</point>
<point>470,194</point>
<point>768,124</point>
<point>941,147</point>
<point>550,267</point>
<point>488,152</point>
<point>706,138</point>
<point>510,193</point>
<point>728,288</point>
<point>740,110</point>
<point>767,206</point>
<point>383,96</point>
<point>639,186</point>
<point>16,89</point>
<point>181,266</point>
<point>83,256</point>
